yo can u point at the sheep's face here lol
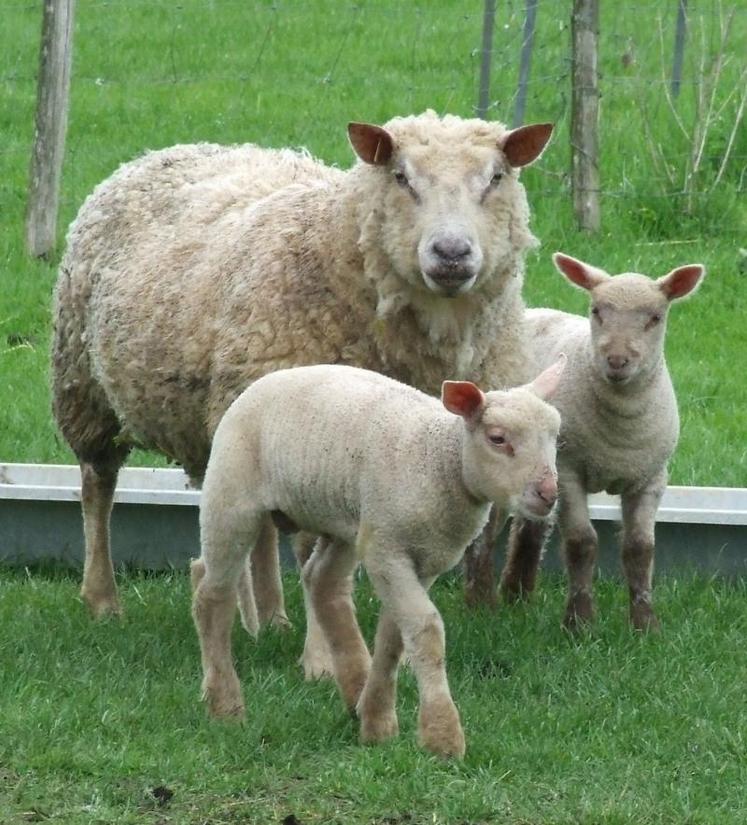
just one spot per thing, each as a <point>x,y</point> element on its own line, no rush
<point>449,193</point>
<point>628,316</point>
<point>510,442</point>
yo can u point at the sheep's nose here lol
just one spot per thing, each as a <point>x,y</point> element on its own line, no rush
<point>451,249</point>
<point>617,362</point>
<point>547,490</point>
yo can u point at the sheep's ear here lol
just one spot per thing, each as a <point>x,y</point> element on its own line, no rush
<point>577,272</point>
<point>524,145</point>
<point>371,143</point>
<point>681,281</point>
<point>463,398</point>
<point>547,382</point>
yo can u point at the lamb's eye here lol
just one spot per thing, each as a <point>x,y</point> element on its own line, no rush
<point>498,440</point>
<point>595,313</point>
<point>496,179</point>
<point>655,318</point>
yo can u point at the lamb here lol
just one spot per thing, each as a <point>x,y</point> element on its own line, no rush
<point>620,426</point>
<point>195,270</point>
<point>392,480</point>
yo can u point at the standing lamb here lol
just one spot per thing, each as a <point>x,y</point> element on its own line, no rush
<point>619,429</point>
<point>193,271</point>
<point>393,480</point>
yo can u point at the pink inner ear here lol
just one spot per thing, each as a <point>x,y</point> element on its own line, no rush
<point>681,281</point>
<point>523,145</point>
<point>576,271</point>
<point>371,143</point>
<point>462,398</point>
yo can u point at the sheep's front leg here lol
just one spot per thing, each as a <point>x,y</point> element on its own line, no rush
<point>377,705</point>
<point>523,554</point>
<point>580,550</point>
<point>328,575</point>
<point>99,591</point>
<point>639,518</point>
<point>405,598</point>
<point>316,658</point>
<point>479,563</point>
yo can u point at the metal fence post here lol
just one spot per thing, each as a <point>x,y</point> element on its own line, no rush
<point>488,22</point>
<point>525,64</point>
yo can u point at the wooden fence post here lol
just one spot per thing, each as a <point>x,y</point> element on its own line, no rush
<point>525,64</point>
<point>51,124</point>
<point>488,23</point>
<point>679,47</point>
<point>585,114</point>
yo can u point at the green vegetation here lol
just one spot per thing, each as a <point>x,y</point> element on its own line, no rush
<point>608,729</point>
<point>149,74</point>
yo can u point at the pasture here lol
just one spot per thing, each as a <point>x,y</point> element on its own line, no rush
<point>100,722</point>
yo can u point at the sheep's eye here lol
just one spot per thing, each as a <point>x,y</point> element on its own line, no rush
<point>595,314</point>
<point>655,318</point>
<point>496,179</point>
<point>498,440</point>
<point>401,179</point>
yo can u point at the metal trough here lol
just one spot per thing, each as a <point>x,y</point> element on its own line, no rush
<point>155,522</point>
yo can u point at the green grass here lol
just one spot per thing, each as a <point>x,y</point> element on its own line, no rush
<point>149,74</point>
<point>608,729</point>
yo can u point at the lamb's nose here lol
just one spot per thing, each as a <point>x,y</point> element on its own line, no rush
<point>547,490</point>
<point>451,249</point>
<point>617,362</point>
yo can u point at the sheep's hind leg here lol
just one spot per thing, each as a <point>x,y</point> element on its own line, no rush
<point>639,517</point>
<point>479,563</point>
<point>329,578</point>
<point>98,482</point>
<point>377,705</point>
<point>226,535</point>
<point>524,551</point>
<point>267,582</point>
<point>580,545</point>
<point>405,597</point>
<point>316,658</point>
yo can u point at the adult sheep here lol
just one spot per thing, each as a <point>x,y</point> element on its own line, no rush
<point>195,270</point>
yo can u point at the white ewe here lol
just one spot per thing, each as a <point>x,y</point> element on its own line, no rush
<point>392,480</point>
<point>619,428</point>
<point>193,271</point>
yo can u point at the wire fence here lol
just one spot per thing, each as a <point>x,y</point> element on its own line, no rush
<point>671,74</point>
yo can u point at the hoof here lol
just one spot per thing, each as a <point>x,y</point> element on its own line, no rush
<point>351,679</point>
<point>224,701</point>
<point>439,729</point>
<point>643,618</point>
<point>378,728</point>
<point>579,612</point>
<point>316,663</point>
<point>512,593</point>
<point>102,606</point>
<point>281,622</point>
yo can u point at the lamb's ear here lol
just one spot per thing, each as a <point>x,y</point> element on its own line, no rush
<point>371,143</point>
<point>524,145</point>
<point>577,272</point>
<point>681,281</point>
<point>463,398</point>
<point>547,382</point>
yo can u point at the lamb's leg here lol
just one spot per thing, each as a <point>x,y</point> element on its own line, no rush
<point>377,704</point>
<point>316,658</point>
<point>98,590</point>
<point>479,563</point>
<point>328,575</point>
<point>406,599</point>
<point>639,518</point>
<point>524,551</point>
<point>267,581</point>
<point>227,535</point>
<point>580,545</point>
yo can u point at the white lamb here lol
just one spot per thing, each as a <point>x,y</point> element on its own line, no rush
<point>195,270</point>
<point>619,429</point>
<point>392,480</point>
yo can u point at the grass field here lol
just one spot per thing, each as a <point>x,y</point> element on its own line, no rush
<point>149,74</point>
<point>101,721</point>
